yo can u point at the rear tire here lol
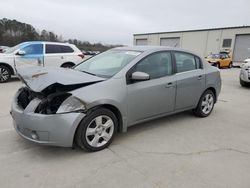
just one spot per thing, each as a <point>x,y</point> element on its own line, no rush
<point>5,74</point>
<point>96,131</point>
<point>205,105</point>
<point>230,65</point>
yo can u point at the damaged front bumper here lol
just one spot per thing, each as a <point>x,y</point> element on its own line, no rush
<point>47,129</point>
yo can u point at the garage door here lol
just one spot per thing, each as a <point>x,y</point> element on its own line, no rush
<point>172,42</point>
<point>241,48</point>
<point>141,42</point>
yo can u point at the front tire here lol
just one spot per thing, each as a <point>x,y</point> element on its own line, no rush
<point>5,74</point>
<point>205,105</point>
<point>96,131</point>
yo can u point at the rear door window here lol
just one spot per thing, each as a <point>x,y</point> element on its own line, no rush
<point>52,49</point>
<point>185,62</point>
<point>66,49</point>
<point>57,49</point>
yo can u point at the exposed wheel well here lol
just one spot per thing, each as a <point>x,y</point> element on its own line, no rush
<point>214,92</point>
<point>68,63</point>
<point>9,67</point>
<point>117,114</point>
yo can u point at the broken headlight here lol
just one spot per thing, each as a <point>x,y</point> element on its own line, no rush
<point>71,104</point>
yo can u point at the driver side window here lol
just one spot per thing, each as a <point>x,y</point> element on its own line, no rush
<point>156,65</point>
<point>33,49</point>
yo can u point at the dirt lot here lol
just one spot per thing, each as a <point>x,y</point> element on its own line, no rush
<point>176,151</point>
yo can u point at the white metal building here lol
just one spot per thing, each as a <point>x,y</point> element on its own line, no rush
<point>236,40</point>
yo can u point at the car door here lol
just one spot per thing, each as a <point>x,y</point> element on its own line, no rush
<point>190,77</point>
<point>53,55</point>
<point>227,60</point>
<point>32,54</point>
<point>155,96</point>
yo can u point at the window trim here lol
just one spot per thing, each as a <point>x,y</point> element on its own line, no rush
<point>175,65</point>
<point>129,72</point>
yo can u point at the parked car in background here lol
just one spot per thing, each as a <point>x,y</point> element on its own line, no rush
<point>247,60</point>
<point>2,48</point>
<point>220,60</point>
<point>38,53</point>
<point>110,92</point>
<point>245,73</point>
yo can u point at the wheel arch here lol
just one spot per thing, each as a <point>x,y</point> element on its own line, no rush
<point>9,67</point>
<point>68,63</point>
<point>214,92</point>
<point>117,113</point>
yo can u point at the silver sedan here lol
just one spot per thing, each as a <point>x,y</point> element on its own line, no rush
<point>108,93</point>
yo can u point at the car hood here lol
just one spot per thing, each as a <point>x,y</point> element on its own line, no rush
<point>4,55</point>
<point>39,79</point>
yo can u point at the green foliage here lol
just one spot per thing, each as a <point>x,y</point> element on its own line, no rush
<point>13,32</point>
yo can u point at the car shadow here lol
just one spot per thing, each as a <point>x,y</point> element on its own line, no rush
<point>14,79</point>
<point>53,152</point>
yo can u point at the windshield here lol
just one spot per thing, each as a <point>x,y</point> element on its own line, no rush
<point>214,56</point>
<point>13,49</point>
<point>108,63</point>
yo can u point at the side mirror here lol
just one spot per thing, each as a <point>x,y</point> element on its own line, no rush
<point>140,76</point>
<point>21,52</point>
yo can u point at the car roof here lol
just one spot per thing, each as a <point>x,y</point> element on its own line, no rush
<point>46,42</point>
<point>152,48</point>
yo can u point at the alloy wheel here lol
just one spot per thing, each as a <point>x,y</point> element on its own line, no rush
<point>99,131</point>
<point>4,74</point>
<point>207,103</point>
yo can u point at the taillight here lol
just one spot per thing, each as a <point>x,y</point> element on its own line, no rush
<point>81,55</point>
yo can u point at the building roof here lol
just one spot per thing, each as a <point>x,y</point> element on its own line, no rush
<point>195,30</point>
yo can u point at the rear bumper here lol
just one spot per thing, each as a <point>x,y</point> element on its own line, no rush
<point>55,129</point>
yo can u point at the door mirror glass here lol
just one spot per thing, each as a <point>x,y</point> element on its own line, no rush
<point>140,76</point>
<point>21,52</point>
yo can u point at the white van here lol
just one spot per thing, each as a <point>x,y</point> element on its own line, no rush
<point>38,53</point>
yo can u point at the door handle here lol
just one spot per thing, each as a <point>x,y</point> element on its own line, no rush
<point>200,77</point>
<point>170,84</point>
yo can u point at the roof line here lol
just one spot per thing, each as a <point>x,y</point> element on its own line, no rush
<point>194,30</point>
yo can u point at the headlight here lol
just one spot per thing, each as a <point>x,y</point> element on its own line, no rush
<point>71,104</point>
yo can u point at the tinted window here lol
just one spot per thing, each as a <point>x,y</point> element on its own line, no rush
<point>227,43</point>
<point>66,49</point>
<point>51,49</point>
<point>185,62</point>
<point>33,49</point>
<point>156,65</point>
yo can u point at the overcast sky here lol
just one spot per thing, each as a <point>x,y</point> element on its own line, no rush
<point>115,21</point>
